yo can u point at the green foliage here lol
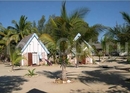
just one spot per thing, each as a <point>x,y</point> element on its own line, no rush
<point>9,38</point>
<point>128,59</point>
<point>23,27</point>
<point>64,60</point>
<point>17,64</point>
<point>15,57</point>
<point>120,33</point>
<point>31,72</point>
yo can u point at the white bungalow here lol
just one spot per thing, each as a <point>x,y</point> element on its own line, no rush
<point>71,57</point>
<point>33,50</point>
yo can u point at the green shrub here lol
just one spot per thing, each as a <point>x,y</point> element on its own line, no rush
<point>31,72</point>
<point>17,64</point>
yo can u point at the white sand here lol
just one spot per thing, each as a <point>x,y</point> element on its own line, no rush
<point>87,79</point>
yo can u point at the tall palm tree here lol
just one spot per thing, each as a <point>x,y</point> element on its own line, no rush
<point>65,29</point>
<point>22,27</point>
<point>120,33</point>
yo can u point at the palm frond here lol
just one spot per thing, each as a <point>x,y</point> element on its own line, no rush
<point>16,25</point>
<point>47,37</point>
<point>126,17</point>
<point>63,11</point>
<point>2,33</point>
<point>99,27</point>
<point>53,22</point>
<point>15,38</point>
<point>79,13</point>
<point>2,42</point>
<point>18,59</point>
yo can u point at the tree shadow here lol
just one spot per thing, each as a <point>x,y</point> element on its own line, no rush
<point>15,67</point>
<point>34,90</point>
<point>123,68</point>
<point>78,91</point>
<point>97,91</point>
<point>52,75</point>
<point>11,83</point>
<point>123,62</point>
<point>7,65</point>
<point>114,89</point>
<point>107,78</point>
<point>85,66</point>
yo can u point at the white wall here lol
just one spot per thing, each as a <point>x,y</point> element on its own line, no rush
<point>35,46</point>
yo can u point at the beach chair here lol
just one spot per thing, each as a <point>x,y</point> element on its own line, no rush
<point>48,62</point>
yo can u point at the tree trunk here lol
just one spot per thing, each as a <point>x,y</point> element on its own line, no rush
<point>63,65</point>
<point>77,63</point>
<point>12,67</point>
<point>64,77</point>
<point>104,54</point>
<point>99,58</point>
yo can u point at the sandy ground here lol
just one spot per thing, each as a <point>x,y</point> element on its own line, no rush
<point>107,77</point>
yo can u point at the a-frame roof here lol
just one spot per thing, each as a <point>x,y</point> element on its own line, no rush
<point>27,39</point>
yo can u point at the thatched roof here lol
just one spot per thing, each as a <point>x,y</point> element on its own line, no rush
<point>98,46</point>
<point>24,41</point>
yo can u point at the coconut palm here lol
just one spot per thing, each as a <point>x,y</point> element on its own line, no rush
<point>120,33</point>
<point>126,17</point>
<point>23,27</point>
<point>9,38</point>
<point>126,28</point>
<point>65,29</point>
<point>50,44</point>
<point>90,33</point>
<point>105,42</point>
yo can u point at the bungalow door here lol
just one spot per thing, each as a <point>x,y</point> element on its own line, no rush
<point>35,58</point>
<point>29,59</point>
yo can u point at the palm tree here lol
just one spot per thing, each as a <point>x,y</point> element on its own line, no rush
<point>41,24</point>
<point>83,50</point>
<point>65,29</point>
<point>126,17</point>
<point>22,27</point>
<point>105,42</point>
<point>15,57</point>
<point>8,39</point>
<point>120,33</point>
<point>126,28</point>
<point>90,33</point>
<point>51,45</point>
